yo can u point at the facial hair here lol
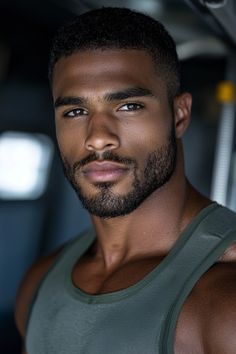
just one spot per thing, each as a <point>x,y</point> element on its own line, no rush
<point>159,167</point>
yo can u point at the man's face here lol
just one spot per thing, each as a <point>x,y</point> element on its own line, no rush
<point>114,127</point>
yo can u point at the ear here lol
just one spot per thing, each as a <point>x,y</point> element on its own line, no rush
<point>182,112</point>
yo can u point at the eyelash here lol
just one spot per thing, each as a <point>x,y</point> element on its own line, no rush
<point>75,111</point>
<point>137,105</point>
<point>67,114</point>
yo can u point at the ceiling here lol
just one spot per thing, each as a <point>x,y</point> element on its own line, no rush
<point>177,14</point>
<point>27,28</point>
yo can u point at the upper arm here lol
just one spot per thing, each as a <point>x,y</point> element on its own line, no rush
<point>25,296</point>
<point>220,317</point>
<point>221,334</point>
<point>28,289</point>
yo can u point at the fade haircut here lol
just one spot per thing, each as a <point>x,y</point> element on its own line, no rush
<point>120,28</point>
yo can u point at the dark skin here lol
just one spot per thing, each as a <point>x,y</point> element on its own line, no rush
<point>129,247</point>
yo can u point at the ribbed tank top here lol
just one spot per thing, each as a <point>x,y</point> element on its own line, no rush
<point>138,320</point>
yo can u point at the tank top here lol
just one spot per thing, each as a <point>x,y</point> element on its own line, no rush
<point>140,319</point>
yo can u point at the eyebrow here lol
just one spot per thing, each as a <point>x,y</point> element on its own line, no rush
<point>128,93</point>
<point>68,101</point>
<point>112,96</point>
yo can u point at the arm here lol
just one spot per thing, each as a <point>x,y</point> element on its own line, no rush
<point>27,291</point>
<point>219,324</point>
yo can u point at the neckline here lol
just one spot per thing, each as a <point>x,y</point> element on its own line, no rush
<point>118,295</point>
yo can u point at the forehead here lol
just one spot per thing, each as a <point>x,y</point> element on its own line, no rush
<point>101,69</point>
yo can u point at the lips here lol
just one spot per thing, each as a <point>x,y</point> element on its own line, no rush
<point>104,171</point>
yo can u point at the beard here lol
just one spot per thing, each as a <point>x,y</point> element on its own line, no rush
<point>159,167</point>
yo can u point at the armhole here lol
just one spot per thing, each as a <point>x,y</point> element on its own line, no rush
<point>45,275</point>
<point>36,290</point>
<point>54,263</point>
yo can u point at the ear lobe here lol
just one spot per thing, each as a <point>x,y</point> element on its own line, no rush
<point>182,111</point>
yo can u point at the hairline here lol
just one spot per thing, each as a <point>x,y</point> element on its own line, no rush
<point>114,47</point>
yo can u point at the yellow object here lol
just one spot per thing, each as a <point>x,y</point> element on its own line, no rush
<point>226,92</point>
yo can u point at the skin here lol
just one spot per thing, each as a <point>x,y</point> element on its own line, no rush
<point>127,249</point>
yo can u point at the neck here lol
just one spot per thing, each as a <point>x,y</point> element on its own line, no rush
<point>153,228</point>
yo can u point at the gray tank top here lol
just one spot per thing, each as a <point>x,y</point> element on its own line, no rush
<point>138,320</point>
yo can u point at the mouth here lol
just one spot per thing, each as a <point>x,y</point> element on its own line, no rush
<point>104,171</point>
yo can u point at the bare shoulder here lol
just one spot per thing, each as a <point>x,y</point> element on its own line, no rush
<point>28,288</point>
<point>218,308</point>
<point>208,318</point>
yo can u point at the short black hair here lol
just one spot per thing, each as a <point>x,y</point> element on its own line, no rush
<point>120,28</point>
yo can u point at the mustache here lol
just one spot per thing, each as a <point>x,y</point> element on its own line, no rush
<point>107,155</point>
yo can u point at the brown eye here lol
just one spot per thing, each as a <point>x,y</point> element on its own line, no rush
<point>75,113</point>
<point>131,107</point>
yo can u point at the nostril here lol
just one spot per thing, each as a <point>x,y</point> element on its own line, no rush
<point>109,145</point>
<point>101,147</point>
<point>101,140</point>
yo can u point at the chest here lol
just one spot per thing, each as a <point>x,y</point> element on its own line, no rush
<point>190,313</point>
<point>187,334</point>
<point>144,307</point>
<point>130,322</point>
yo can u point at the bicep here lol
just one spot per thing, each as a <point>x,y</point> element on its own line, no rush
<point>23,303</point>
<point>28,290</point>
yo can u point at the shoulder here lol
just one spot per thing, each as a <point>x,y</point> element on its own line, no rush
<point>207,320</point>
<point>217,300</point>
<point>29,286</point>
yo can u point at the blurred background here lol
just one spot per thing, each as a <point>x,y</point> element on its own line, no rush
<point>38,209</point>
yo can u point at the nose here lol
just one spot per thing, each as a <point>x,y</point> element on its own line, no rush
<point>101,134</point>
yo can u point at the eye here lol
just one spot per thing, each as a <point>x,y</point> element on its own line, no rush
<point>75,113</point>
<point>131,107</point>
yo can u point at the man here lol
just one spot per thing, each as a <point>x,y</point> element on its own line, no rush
<point>157,274</point>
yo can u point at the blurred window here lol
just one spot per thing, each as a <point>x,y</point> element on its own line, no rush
<point>25,162</point>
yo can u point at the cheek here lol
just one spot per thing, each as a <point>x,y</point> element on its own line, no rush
<point>146,135</point>
<point>61,138</point>
<point>69,142</point>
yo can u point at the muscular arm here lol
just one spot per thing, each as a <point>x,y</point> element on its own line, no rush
<point>207,322</point>
<point>27,291</point>
<point>219,317</point>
